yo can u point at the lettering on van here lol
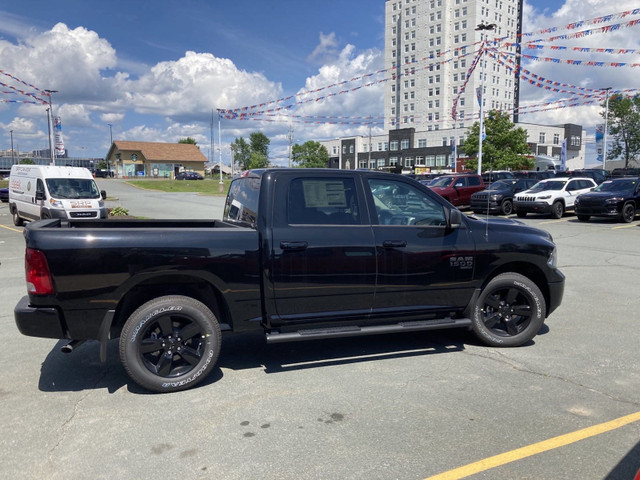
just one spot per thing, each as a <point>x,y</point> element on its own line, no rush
<point>80,203</point>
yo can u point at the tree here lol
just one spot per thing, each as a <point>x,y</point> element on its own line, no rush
<point>258,160</point>
<point>241,153</point>
<point>310,155</point>
<point>504,146</point>
<point>26,161</point>
<point>259,143</point>
<point>624,128</point>
<point>188,140</point>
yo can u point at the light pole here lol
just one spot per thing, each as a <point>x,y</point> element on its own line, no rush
<point>481,28</point>
<point>111,143</point>
<point>606,127</point>
<point>13,155</point>
<point>49,126</point>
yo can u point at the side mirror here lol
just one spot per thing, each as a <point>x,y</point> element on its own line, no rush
<point>40,196</point>
<point>455,218</point>
<point>103,194</point>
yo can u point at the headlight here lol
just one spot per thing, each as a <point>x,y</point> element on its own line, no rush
<point>544,197</point>
<point>613,200</point>
<point>56,203</point>
<point>496,196</point>
<point>552,261</point>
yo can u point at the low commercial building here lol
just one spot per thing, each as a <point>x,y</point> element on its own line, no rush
<point>154,159</point>
<point>408,150</point>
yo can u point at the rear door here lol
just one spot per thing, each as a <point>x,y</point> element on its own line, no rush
<point>322,264</point>
<point>423,266</point>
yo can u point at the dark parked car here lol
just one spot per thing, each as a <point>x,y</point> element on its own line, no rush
<point>4,195</point>
<point>618,197</point>
<point>624,172</point>
<point>188,176</point>
<point>492,176</point>
<point>596,175</point>
<point>498,197</point>
<point>537,174</point>
<point>101,173</point>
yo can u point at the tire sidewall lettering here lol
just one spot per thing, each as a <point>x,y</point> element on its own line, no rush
<point>156,312</point>
<point>193,377</point>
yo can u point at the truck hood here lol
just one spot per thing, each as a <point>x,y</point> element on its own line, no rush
<point>506,225</point>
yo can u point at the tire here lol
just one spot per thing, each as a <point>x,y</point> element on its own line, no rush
<point>509,311</point>
<point>17,219</point>
<point>584,218</point>
<point>557,209</point>
<point>170,343</point>
<point>507,207</point>
<point>628,213</point>
<point>521,214</point>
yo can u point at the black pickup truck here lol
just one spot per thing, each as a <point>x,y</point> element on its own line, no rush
<point>299,255</point>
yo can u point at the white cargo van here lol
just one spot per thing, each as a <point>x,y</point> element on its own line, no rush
<point>543,163</point>
<point>41,191</point>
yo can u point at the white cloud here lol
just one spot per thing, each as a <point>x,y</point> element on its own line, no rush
<point>326,50</point>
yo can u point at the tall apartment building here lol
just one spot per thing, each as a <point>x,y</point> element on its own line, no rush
<point>430,46</point>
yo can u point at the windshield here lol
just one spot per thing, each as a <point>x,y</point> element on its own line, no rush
<point>549,185</point>
<point>619,186</point>
<point>72,188</point>
<point>441,182</point>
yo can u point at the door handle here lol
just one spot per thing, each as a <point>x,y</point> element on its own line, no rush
<point>394,243</point>
<point>294,246</point>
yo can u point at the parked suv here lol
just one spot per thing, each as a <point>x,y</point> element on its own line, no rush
<point>597,175</point>
<point>618,197</point>
<point>457,189</point>
<point>537,174</point>
<point>553,196</point>
<point>498,197</point>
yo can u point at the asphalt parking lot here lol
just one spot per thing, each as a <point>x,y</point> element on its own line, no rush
<point>414,406</point>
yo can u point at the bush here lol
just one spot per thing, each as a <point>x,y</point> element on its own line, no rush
<point>118,212</point>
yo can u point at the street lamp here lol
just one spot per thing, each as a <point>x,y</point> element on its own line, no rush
<point>50,125</point>
<point>606,127</point>
<point>110,133</point>
<point>481,28</point>
<point>13,155</point>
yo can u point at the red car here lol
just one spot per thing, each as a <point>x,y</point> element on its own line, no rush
<point>457,188</point>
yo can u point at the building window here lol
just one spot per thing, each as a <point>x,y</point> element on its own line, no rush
<point>350,148</point>
<point>381,162</point>
<point>404,144</point>
<point>419,161</point>
<point>394,145</point>
<point>392,161</point>
<point>344,149</point>
<point>441,160</point>
<point>542,137</point>
<point>422,143</point>
<point>556,139</point>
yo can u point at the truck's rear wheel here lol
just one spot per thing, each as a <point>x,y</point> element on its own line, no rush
<point>170,343</point>
<point>509,311</point>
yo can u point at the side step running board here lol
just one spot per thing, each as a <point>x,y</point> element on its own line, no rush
<point>355,331</point>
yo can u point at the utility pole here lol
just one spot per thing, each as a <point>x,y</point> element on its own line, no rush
<point>13,155</point>
<point>50,125</point>
<point>290,143</point>
<point>482,27</point>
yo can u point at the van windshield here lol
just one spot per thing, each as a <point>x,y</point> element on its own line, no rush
<point>72,188</point>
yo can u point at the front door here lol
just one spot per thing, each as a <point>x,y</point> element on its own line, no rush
<point>423,266</point>
<point>322,265</point>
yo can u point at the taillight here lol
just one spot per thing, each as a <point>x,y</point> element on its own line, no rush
<point>37,272</point>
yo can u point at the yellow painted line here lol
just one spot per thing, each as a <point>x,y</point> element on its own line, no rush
<point>534,449</point>
<point>560,220</point>
<point>11,228</point>
<point>625,226</point>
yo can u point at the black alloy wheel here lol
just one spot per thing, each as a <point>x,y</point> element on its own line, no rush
<point>628,213</point>
<point>170,343</point>
<point>509,312</point>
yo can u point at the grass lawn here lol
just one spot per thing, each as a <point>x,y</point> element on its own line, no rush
<point>4,183</point>
<point>207,186</point>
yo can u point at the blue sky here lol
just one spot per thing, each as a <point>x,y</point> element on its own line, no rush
<point>156,69</point>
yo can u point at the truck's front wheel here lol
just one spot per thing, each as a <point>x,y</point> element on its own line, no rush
<point>509,311</point>
<point>170,343</point>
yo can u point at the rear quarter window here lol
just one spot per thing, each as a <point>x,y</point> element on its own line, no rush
<point>241,205</point>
